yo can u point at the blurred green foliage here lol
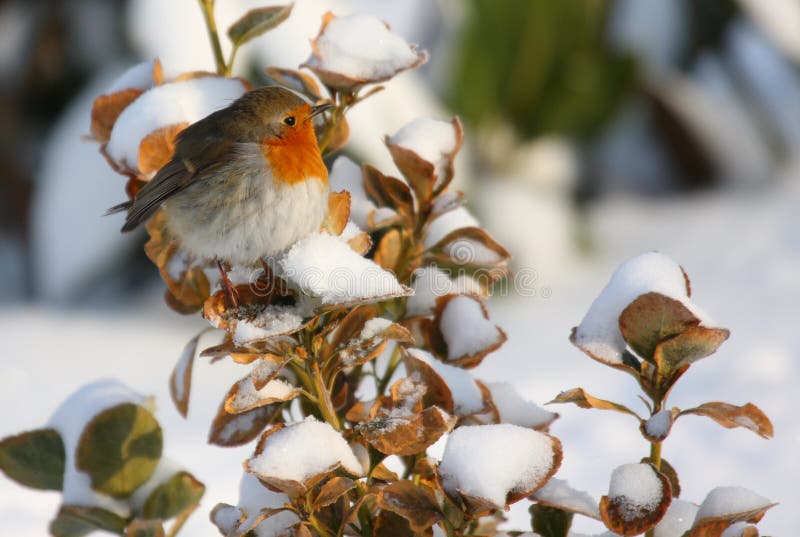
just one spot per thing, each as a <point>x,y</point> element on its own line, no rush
<point>544,66</point>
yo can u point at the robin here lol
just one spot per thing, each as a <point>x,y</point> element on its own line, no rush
<point>244,183</point>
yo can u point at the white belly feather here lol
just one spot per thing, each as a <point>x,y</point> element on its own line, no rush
<point>243,214</point>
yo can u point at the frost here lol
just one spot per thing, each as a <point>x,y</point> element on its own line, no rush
<point>723,501</point>
<point>558,493</point>
<point>599,332</point>
<point>324,267</point>
<point>362,48</point>
<point>247,397</point>
<point>448,222</point>
<point>514,409</point>
<point>431,139</point>
<point>253,496</point>
<point>185,101</point>
<point>465,328</point>
<point>274,320</point>
<point>677,520</point>
<point>467,397</point>
<point>636,489</point>
<point>303,450</point>
<point>490,461</point>
<point>70,419</point>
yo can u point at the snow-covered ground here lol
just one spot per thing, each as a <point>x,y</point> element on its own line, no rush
<point>742,252</point>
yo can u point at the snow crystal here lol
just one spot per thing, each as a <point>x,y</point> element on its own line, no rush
<point>70,419</point>
<point>723,501</point>
<point>361,47</point>
<point>346,176</point>
<point>186,101</point>
<point>140,76</point>
<point>514,409</point>
<point>253,497</point>
<point>637,489</point>
<point>465,329</point>
<point>651,272</point>
<point>302,450</point>
<point>431,139</point>
<point>467,397</point>
<point>247,397</point>
<point>448,222</point>
<point>323,266</point>
<point>489,461</point>
<point>677,520</point>
<point>659,424</point>
<point>558,493</point>
<point>274,320</point>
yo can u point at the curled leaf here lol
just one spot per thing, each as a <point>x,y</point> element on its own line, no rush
<point>730,416</point>
<point>579,397</point>
<point>229,430</point>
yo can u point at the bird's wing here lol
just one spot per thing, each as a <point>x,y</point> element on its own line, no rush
<point>200,150</point>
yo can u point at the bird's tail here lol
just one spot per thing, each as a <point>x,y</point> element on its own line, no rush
<point>124,206</point>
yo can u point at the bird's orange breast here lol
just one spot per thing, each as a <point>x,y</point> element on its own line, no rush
<point>295,157</point>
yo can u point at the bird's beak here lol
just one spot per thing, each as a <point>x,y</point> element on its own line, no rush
<point>316,110</point>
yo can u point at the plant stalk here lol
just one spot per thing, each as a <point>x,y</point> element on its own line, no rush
<point>211,25</point>
<point>324,397</point>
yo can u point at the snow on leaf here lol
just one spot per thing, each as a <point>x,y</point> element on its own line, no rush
<point>497,464</point>
<point>657,427</point>
<point>464,325</point>
<point>599,333</point>
<point>730,505</point>
<point>465,392</point>
<point>638,497</point>
<point>244,396</point>
<point>424,150</point>
<point>358,49</point>
<point>516,410</point>
<point>559,494</point>
<point>185,101</point>
<point>326,268</point>
<point>289,456</point>
<point>236,429</point>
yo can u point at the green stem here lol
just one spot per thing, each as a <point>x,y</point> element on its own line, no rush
<point>655,455</point>
<point>324,397</point>
<point>211,25</point>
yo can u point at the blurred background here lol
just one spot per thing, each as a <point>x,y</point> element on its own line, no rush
<point>596,130</point>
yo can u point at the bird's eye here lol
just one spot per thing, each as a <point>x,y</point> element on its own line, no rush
<point>289,121</point>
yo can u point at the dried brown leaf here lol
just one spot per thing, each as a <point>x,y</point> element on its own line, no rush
<point>415,503</point>
<point>157,148</point>
<point>107,108</point>
<point>332,490</point>
<point>579,397</point>
<point>229,430</point>
<point>651,319</point>
<point>296,80</point>
<point>731,416</point>
<point>338,212</point>
<point>180,381</point>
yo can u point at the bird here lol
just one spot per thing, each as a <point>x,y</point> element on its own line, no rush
<point>243,183</point>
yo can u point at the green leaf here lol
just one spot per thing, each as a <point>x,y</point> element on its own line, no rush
<point>256,22</point>
<point>78,520</point>
<point>550,521</point>
<point>120,449</point>
<point>34,459</point>
<point>178,493</point>
<point>652,318</point>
